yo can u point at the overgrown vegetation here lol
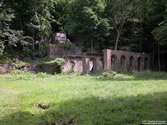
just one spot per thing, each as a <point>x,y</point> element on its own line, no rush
<point>82,99</point>
<point>27,26</point>
<point>51,66</point>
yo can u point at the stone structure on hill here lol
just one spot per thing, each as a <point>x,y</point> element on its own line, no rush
<point>87,62</point>
<point>119,61</point>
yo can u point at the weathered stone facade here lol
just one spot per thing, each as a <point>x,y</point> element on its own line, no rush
<point>55,52</point>
<point>125,61</point>
<point>119,61</point>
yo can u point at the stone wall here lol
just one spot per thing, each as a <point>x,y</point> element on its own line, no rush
<point>119,61</point>
<point>125,61</point>
<point>73,64</point>
<point>83,64</point>
<point>55,52</point>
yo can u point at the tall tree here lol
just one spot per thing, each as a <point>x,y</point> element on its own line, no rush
<point>8,36</point>
<point>86,23</point>
<point>118,12</point>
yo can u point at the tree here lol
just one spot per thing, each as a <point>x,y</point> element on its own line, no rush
<point>8,36</point>
<point>118,12</point>
<point>160,34</point>
<point>86,24</point>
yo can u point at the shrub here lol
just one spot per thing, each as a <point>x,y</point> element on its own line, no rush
<point>42,51</point>
<point>51,66</point>
<point>106,75</point>
<point>59,65</point>
<point>113,72</point>
<point>42,75</point>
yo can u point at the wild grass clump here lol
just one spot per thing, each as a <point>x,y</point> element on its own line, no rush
<point>112,75</point>
<point>133,76</point>
<point>150,75</point>
<point>19,75</point>
<point>51,66</point>
<point>23,75</point>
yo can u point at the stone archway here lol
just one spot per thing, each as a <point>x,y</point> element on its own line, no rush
<point>131,64</point>
<point>134,61</point>
<point>146,63</point>
<point>123,65</point>
<point>139,64</point>
<point>114,62</point>
<point>92,65</point>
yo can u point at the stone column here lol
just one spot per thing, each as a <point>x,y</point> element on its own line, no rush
<point>86,69</point>
<point>135,63</point>
<point>97,65</point>
<point>107,60</point>
<point>142,64</point>
<point>127,63</point>
<point>118,64</point>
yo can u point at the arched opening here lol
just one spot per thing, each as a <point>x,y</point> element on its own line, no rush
<point>113,62</point>
<point>139,64</point>
<point>101,64</point>
<point>131,64</point>
<point>91,65</point>
<point>146,64</point>
<point>123,64</point>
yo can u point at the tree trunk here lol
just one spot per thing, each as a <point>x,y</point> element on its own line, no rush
<point>117,39</point>
<point>159,62</point>
<point>153,55</point>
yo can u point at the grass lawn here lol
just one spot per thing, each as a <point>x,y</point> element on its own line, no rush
<point>82,99</point>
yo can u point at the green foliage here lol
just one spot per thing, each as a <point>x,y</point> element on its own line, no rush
<point>51,66</point>
<point>160,33</point>
<point>106,75</point>
<point>109,75</point>
<point>58,62</point>
<point>86,22</point>
<point>133,76</point>
<point>8,36</point>
<point>95,24</point>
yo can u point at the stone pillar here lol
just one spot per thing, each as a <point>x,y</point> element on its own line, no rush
<point>51,52</point>
<point>127,63</point>
<point>118,64</point>
<point>135,64</point>
<point>107,60</point>
<point>86,69</point>
<point>97,65</point>
<point>142,64</point>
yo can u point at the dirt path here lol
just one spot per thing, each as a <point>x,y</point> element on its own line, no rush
<point>8,90</point>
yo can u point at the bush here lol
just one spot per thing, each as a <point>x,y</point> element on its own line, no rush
<point>51,66</point>
<point>43,50</point>
<point>59,62</point>
<point>106,75</point>
<point>109,74</point>
<point>113,72</point>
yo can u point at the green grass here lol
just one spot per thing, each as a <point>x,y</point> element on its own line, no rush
<point>83,99</point>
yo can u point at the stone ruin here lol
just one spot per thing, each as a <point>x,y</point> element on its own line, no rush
<point>119,61</point>
<point>125,61</point>
<point>87,62</point>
